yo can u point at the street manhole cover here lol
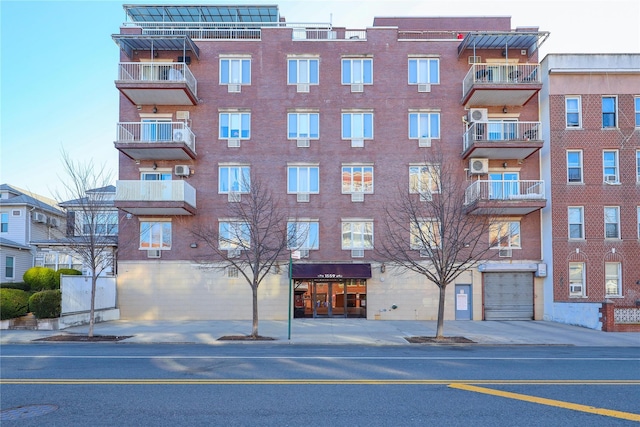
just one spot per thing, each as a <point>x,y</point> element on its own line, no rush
<point>26,411</point>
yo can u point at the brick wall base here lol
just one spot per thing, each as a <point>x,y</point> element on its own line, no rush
<point>607,313</point>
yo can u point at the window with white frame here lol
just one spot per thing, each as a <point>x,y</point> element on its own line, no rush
<point>4,222</point>
<point>234,179</point>
<point>103,223</point>
<point>424,180</point>
<point>612,222</point>
<point>303,235</point>
<point>357,70</point>
<point>505,235</point>
<point>235,71</point>
<point>424,125</point>
<point>303,125</point>
<point>574,166</point>
<point>573,111</point>
<point>576,222</point>
<point>357,234</point>
<point>613,279</point>
<point>155,176</point>
<point>638,221</point>
<point>636,107</point>
<point>637,165</point>
<point>425,234</point>
<point>302,71</point>
<point>357,179</point>
<point>58,260</point>
<point>9,263</point>
<point>357,125</point>
<point>234,235</point>
<point>609,112</point>
<point>303,179</point>
<point>610,166</point>
<point>235,125</point>
<point>424,71</point>
<point>155,235</point>
<point>577,279</point>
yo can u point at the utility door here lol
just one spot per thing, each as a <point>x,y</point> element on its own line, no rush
<point>463,302</point>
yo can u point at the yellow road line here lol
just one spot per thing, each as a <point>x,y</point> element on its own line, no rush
<point>170,381</point>
<point>550,402</point>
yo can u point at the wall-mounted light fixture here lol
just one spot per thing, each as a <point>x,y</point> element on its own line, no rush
<point>383,268</point>
<point>194,245</point>
<point>155,109</point>
<point>504,165</point>
<point>155,166</point>
<point>504,109</point>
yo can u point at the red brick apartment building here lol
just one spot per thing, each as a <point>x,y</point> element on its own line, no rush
<point>335,120</point>
<point>591,165</point>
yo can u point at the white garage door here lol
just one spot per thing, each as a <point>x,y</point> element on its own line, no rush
<point>508,296</point>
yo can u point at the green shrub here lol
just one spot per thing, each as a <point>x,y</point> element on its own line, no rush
<point>13,303</point>
<point>40,278</point>
<point>66,272</point>
<point>15,285</point>
<point>46,304</point>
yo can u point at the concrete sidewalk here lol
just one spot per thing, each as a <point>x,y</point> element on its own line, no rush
<point>343,331</point>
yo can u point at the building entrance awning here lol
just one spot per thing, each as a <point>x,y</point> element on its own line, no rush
<point>331,271</point>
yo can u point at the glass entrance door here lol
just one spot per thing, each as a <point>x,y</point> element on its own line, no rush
<point>345,298</point>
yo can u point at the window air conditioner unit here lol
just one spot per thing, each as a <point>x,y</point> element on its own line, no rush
<point>357,253</point>
<point>182,170</point>
<point>233,253</point>
<point>357,87</point>
<point>234,197</point>
<point>575,289</point>
<point>505,253</point>
<point>610,179</point>
<point>302,87</point>
<point>155,253</point>
<point>478,166</point>
<point>424,253</point>
<point>424,142</point>
<point>39,217</point>
<point>357,197</point>
<point>302,197</point>
<point>303,143</point>
<point>233,143</point>
<point>478,115</point>
<point>424,87</point>
<point>54,222</point>
<point>180,135</point>
<point>357,143</point>
<point>304,253</point>
<point>234,88</point>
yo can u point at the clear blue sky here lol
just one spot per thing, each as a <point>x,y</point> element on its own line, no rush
<point>59,63</point>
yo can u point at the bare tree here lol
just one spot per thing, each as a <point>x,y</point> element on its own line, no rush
<point>91,235</point>
<point>252,239</point>
<point>427,230</point>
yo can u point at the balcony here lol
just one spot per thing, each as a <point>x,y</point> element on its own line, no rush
<point>156,141</point>
<point>500,84</point>
<point>156,197</point>
<point>504,197</point>
<point>502,140</point>
<point>157,83</point>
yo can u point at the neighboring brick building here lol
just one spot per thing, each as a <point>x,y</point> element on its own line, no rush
<point>354,111</point>
<point>591,165</point>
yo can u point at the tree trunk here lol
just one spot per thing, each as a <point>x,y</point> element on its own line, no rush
<point>94,279</point>
<point>254,294</point>
<point>440,330</point>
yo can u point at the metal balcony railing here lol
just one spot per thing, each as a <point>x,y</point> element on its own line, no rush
<point>155,191</point>
<point>155,132</point>
<point>501,131</point>
<point>157,72</point>
<point>492,190</point>
<point>497,74</point>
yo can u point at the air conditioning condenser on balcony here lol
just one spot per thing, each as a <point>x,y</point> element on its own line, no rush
<point>478,115</point>
<point>180,135</point>
<point>182,170</point>
<point>478,166</point>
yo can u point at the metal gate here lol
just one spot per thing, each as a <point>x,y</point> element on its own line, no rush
<point>508,296</point>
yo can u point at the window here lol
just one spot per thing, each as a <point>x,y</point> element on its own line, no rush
<point>155,235</point>
<point>612,277</point>
<point>505,235</point>
<point>303,235</point>
<point>637,165</point>
<point>234,235</point>
<point>303,125</point>
<point>357,234</point>
<point>234,179</point>
<point>303,71</point>
<point>609,112</point>
<point>638,222</point>
<point>58,260</point>
<point>504,185</point>
<point>235,126</point>
<point>4,222</point>
<point>424,180</point>
<point>424,125</point>
<point>8,267</point>
<point>425,234</point>
<point>156,130</point>
<point>636,104</point>
<point>356,71</point>
<point>357,125</point>
<point>357,179</point>
<point>303,179</point>
<point>610,166</point>
<point>103,223</point>
<point>576,222</point>
<point>611,222</point>
<point>574,166</point>
<point>573,111</point>
<point>235,71</point>
<point>576,279</point>
<point>155,176</point>
<point>424,70</point>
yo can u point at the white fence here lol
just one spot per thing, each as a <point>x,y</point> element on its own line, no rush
<point>76,293</point>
